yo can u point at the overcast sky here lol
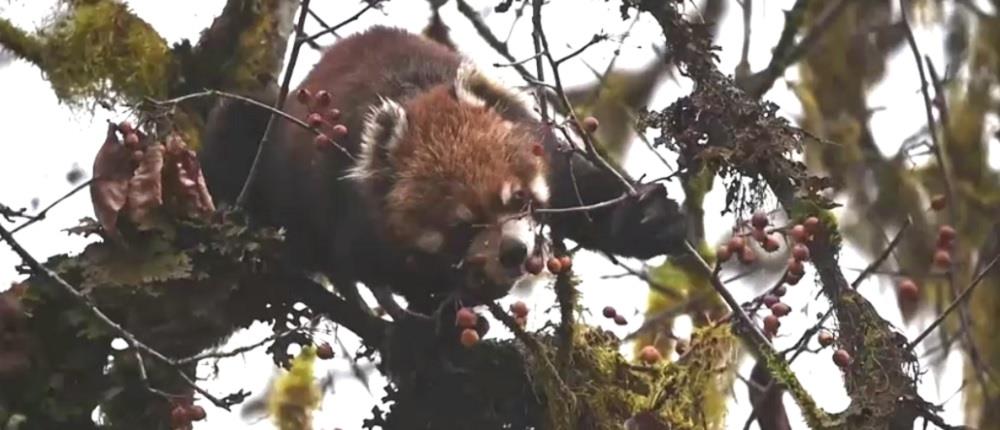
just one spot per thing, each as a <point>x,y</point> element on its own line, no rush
<point>43,140</point>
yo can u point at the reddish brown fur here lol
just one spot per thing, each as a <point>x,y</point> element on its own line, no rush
<point>455,154</point>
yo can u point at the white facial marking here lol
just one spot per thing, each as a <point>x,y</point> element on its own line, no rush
<point>521,228</point>
<point>430,241</point>
<point>464,213</point>
<point>505,193</point>
<point>540,188</point>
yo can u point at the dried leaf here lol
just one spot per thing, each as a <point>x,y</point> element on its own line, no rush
<point>145,188</point>
<point>113,167</point>
<point>184,182</point>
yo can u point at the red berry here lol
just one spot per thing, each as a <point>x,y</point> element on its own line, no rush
<point>841,358</point>
<point>942,259</point>
<point>303,96</point>
<point>125,127</point>
<point>132,140</point>
<point>590,124</point>
<point>791,279</point>
<point>620,319</point>
<point>465,318</point>
<point>537,150</point>
<point>723,254</point>
<point>946,234</point>
<point>179,416</point>
<point>771,325</point>
<point>469,337</point>
<point>939,202</point>
<point>315,120</point>
<point>338,131</point>
<point>196,413</point>
<point>780,309</point>
<point>771,244</point>
<point>795,267</point>
<point>554,266</point>
<point>825,338</point>
<point>812,225</point>
<point>324,351</point>
<point>323,99</point>
<point>534,265</point>
<point>759,220</point>
<point>519,309</point>
<point>780,291</point>
<point>748,256</point>
<point>799,233</point>
<point>333,114</point>
<point>650,355</point>
<point>609,312</point>
<point>682,347</point>
<point>759,235</point>
<point>800,252</point>
<point>736,244</point>
<point>322,141</point>
<point>907,289</point>
<point>566,262</point>
<point>770,299</point>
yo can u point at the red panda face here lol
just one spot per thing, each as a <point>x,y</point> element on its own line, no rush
<point>448,174</point>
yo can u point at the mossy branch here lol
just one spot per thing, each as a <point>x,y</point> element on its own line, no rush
<point>21,43</point>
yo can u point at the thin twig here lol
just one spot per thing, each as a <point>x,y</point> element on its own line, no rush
<point>41,215</point>
<point>241,200</point>
<point>939,153</point>
<point>782,60</point>
<point>491,39</point>
<point>585,208</point>
<point>272,109</point>
<point>598,38</point>
<point>328,30</point>
<point>954,304</point>
<point>885,254</point>
<point>588,141</point>
<point>236,351</point>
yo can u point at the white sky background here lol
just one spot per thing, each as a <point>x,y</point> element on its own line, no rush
<point>43,140</point>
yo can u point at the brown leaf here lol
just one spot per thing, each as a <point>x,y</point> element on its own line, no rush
<point>113,167</point>
<point>145,188</point>
<point>184,182</point>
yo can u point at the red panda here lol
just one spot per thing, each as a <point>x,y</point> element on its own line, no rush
<point>445,168</point>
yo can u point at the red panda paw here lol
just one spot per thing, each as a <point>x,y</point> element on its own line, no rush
<point>648,225</point>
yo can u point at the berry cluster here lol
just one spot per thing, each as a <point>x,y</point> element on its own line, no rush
<point>131,139</point>
<point>556,265</point>
<point>610,313</point>
<point>322,118</point>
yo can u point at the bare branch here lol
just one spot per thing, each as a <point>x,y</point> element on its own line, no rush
<point>41,215</point>
<point>955,303</point>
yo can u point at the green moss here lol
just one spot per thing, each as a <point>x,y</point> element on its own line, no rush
<point>100,51</point>
<point>253,63</point>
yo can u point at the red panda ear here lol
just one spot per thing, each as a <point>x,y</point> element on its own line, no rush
<point>384,128</point>
<point>474,88</point>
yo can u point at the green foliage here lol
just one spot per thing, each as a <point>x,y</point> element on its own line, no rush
<point>295,394</point>
<point>100,51</point>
